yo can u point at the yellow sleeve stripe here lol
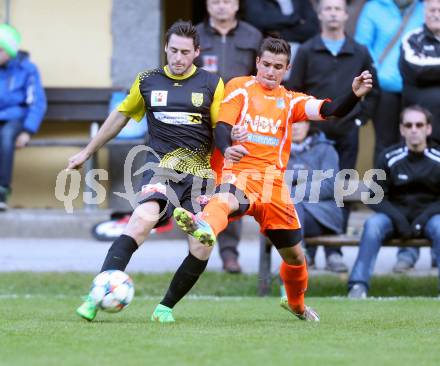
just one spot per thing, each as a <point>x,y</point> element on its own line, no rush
<point>215,106</point>
<point>133,106</point>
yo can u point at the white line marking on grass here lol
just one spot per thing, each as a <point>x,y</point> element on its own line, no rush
<point>220,298</point>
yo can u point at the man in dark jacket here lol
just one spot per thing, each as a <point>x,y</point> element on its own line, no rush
<point>228,46</point>
<point>420,68</point>
<point>411,203</point>
<point>324,66</point>
<point>293,20</point>
<point>22,104</point>
<point>420,65</point>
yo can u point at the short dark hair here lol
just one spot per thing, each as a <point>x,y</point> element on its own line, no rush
<point>185,29</point>
<point>277,46</point>
<point>418,108</point>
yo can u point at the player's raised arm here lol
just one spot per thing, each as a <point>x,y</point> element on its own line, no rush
<point>110,128</point>
<point>343,104</point>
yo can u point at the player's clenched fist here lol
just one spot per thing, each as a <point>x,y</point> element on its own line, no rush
<point>77,160</point>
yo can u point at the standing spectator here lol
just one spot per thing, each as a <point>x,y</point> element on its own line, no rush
<point>293,20</point>
<point>311,151</point>
<point>228,47</point>
<point>411,203</point>
<point>420,65</point>
<point>380,27</point>
<point>22,104</point>
<point>420,69</point>
<point>323,66</point>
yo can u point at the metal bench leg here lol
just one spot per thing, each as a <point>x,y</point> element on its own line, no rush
<point>90,165</point>
<point>264,272</point>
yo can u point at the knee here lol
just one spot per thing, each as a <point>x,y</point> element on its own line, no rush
<point>374,227</point>
<point>144,217</point>
<point>293,256</point>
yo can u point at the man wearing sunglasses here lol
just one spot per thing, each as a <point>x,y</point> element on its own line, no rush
<point>411,204</point>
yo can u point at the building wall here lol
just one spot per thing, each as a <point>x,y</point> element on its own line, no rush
<point>81,43</point>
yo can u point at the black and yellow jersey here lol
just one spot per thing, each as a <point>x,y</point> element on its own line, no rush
<point>181,114</point>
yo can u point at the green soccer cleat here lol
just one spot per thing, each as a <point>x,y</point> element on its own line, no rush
<point>194,226</point>
<point>309,314</point>
<point>88,309</point>
<point>162,314</point>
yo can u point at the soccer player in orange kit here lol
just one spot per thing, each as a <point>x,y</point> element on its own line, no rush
<point>257,112</point>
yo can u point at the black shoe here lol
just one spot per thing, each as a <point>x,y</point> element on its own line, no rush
<point>3,198</point>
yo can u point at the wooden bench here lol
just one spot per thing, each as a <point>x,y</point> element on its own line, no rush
<point>265,275</point>
<point>264,269</point>
<point>79,105</point>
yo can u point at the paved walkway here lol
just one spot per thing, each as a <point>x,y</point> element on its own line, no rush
<point>154,256</point>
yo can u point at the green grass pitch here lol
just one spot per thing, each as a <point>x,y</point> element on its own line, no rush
<point>39,327</point>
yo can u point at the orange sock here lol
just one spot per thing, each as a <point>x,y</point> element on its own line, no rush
<point>295,282</point>
<point>216,214</point>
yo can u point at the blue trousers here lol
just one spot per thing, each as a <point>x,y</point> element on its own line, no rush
<point>9,130</point>
<point>377,229</point>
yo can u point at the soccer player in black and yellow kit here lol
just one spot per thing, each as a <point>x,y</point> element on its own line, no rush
<point>181,102</point>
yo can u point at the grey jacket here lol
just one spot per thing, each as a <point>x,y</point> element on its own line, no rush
<point>315,153</point>
<point>231,55</point>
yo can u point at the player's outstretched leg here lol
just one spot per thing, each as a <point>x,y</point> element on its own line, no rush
<point>194,226</point>
<point>117,257</point>
<point>206,226</point>
<point>122,249</point>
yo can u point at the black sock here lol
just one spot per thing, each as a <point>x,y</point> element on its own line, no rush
<point>184,279</point>
<point>119,253</point>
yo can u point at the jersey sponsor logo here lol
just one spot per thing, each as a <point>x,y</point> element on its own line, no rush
<point>179,118</point>
<point>159,98</point>
<point>264,140</point>
<point>197,99</point>
<point>262,124</point>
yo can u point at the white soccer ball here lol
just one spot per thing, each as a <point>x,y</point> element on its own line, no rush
<point>112,290</point>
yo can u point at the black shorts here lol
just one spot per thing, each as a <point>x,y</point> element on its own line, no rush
<point>173,189</point>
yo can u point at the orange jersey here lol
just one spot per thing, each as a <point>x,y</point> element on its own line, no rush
<point>268,116</point>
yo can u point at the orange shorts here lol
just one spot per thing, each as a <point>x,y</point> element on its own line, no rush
<point>270,202</point>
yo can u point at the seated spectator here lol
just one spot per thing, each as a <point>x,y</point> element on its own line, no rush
<point>228,47</point>
<point>411,204</point>
<point>420,65</point>
<point>22,104</point>
<point>420,69</point>
<point>312,152</point>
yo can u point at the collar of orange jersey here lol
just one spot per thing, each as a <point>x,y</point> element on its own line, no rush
<point>180,77</point>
